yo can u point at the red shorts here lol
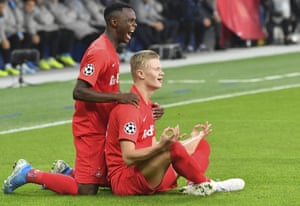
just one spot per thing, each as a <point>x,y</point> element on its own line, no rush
<point>130,181</point>
<point>90,166</point>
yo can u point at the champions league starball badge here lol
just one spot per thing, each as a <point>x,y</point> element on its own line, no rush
<point>130,128</point>
<point>88,70</point>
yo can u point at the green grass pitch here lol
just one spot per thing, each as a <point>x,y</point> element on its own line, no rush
<point>253,105</point>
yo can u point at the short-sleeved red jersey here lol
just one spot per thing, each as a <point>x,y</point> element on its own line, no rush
<point>100,68</point>
<point>128,122</point>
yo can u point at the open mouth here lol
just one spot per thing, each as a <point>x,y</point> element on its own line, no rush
<point>129,34</point>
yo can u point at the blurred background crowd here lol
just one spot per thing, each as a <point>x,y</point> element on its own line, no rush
<point>61,30</point>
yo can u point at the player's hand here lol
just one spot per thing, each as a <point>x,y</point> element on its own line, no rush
<point>129,98</point>
<point>201,130</point>
<point>157,111</point>
<point>168,136</point>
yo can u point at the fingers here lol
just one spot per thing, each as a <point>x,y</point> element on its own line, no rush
<point>135,100</point>
<point>201,129</point>
<point>130,98</point>
<point>182,135</point>
<point>202,126</point>
<point>157,111</point>
<point>176,129</point>
<point>155,104</point>
<point>167,132</point>
<point>171,132</point>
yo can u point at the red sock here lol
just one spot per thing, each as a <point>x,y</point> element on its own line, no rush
<point>201,155</point>
<point>72,173</point>
<point>185,165</point>
<point>61,184</point>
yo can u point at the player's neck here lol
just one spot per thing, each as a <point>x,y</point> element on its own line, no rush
<point>110,35</point>
<point>145,92</point>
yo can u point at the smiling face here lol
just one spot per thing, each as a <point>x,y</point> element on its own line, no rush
<point>146,70</point>
<point>153,74</point>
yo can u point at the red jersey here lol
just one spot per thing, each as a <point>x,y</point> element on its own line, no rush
<point>127,122</point>
<point>100,68</point>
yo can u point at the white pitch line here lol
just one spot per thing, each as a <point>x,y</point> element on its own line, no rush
<point>186,81</point>
<point>253,80</point>
<point>183,81</point>
<point>36,127</point>
<point>225,96</point>
<point>267,78</point>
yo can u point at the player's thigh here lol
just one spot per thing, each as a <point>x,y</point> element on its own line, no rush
<point>90,167</point>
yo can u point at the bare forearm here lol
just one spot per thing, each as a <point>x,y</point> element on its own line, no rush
<point>88,95</point>
<point>82,91</point>
<point>136,156</point>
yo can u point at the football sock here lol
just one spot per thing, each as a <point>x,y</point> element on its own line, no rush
<point>201,155</point>
<point>58,183</point>
<point>71,173</point>
<point>185,165</point>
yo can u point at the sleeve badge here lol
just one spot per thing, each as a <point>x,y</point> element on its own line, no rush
<point>130,128</point>
<point>88,70</point>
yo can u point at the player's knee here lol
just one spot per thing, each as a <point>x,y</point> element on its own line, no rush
<point>87,189</point>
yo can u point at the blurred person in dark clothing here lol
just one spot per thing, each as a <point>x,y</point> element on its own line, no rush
<point>194,24</point>
<point>40,23</point>
<point>278,14</point>
<point>209,10</point>
<point>152,28</point>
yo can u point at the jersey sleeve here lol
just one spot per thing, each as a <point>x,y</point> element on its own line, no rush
<point>129,123</point>
<point>94,64</point>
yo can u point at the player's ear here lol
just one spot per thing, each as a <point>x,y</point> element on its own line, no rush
<point>140,74</point>
<point>113,22</point>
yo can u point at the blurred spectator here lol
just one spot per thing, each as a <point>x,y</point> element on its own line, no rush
<point>39,23</point>
<point>109,2</point>
<point>279,14</point>
<point>71,24</point>
<point>210,12</point>
<point>5,43</point>
<point>11,34</point>
<point>84,17</point>
<point>194,24</point>
<point>96,9</point>
<point>170,10</point>
<point>152,26</point>
<point>295,6</point>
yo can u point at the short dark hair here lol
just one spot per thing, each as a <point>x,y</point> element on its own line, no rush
<point>2,1</point>
<point>114,7</point>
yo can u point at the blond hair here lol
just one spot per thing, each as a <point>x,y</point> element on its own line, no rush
<point>140,59</point>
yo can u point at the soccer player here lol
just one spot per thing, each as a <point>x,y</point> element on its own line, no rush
<point>137,163</point>
<point>96,93</point>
